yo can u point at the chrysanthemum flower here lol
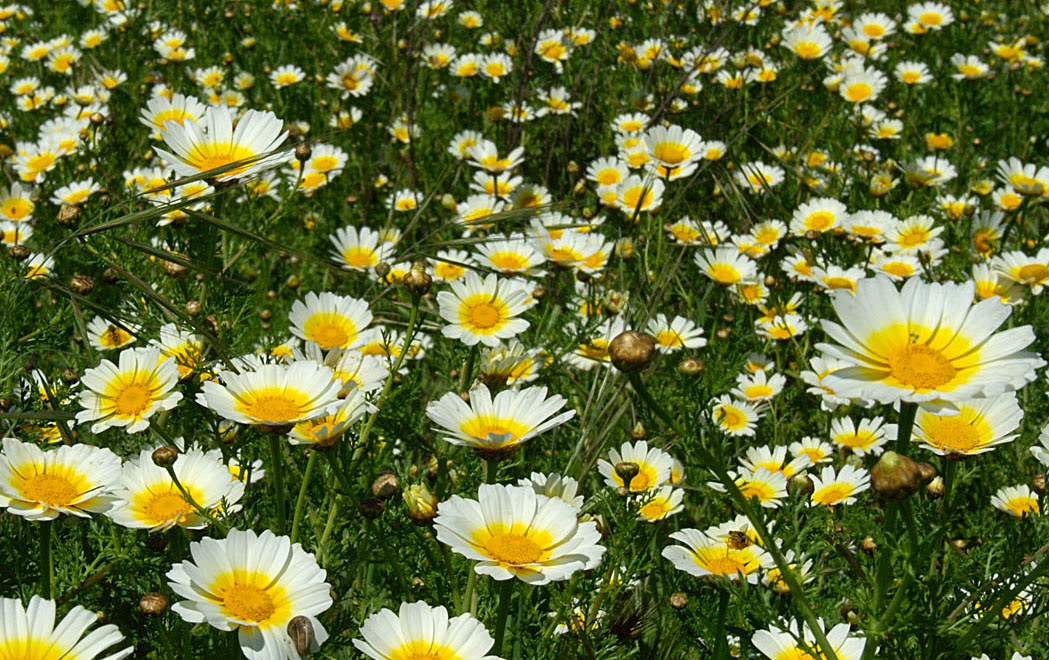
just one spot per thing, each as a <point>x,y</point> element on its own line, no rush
<point>179,108</point>
<point>72,479</point>
<point>818,215</point>
<point>421,631</point>
<point>484,311</point>
<point>725,265</point>
<point>329,320</point>
<point>734,417</point>
<point>255,584</point>
<point>29,633</point>
<point>510,531</point>
<point>128,393</point>
<point>832,488</point>
<point>325,430</point>
<point>769,488</point>
<point>979,426</point>
<point>151,500</point>
<point>511,418</point>
<point>105,335</point>
<point>774,459</point>
<point>1017,501</point>
<point>184,348</point>
<point>675,334</point>
<point>1028,271</point>
<point>758,176</point>
<point>778,644</point>
<point>867,437</point>
<point>274,395</point>
<point>808,42</point>
<point>925,343</point>
<point>758,386</point>
<point>214,142</point>
<point>812,448</point>
<point>660,504</point>
<point>654,466</point>
<point>554,485</point>
<point>701,555</point>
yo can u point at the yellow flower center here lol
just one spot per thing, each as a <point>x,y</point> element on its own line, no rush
<point>668,338</point>
<point>208,156</point>
<point>447,271</point>
<point>16,209</point>
<point>655,509</point>
<point>509,261</point>
<point>552,51</point>
<point>839,283</point>
<point>671,153</point>
<point>1033,273</point>
<point>423,650</point>
<point>970,70</point>
<point>758,489</point>
<point>960,433</point>
<point>873,30</point>
<point>482,313</point>
<point>330,330</point>
<point>638,197</point>
<point>910,77</point>
<point>115,337</point>
<point>249,598</point>
<point>516,546</point>
<point>163,504</point>
<point>794,653</point>
<point>324,163</point>
<point>1020,506</point>
<point>684,233</point>
<point>832,494</point>
<point>731,418</point>
<point>758,392</point>
<point>724,273</point>
<point>55,489</point>
<point>40,162</point>
<point>920,366</point>
<point>645,479</point>
<point>274,405</point>
<point>930,18</point>
<point>132,399</point>
<point>723,560</point>
<point>596,349</point>
<point>807,50</point>
<point>913,237</point>
<point>858,440</point>
<point>857,92</point>
<point>505,431</point>
<point>359,257</point>
<point>898,268</point>
<point>819,221</point>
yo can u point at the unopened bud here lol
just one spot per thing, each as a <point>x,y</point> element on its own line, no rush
<point>165,457</point>
<point>382,269</point>
<point>300,629</point>
<point>935,488</point>
<point>868,545</point>
<point>19,252</point>
<point>153,603</point>
<point>421,503</point>
<point>631,351</point>
<point>638,432</point>
<point>303,152</point>
<point>81,284</point>
<point>928,471</point>
<point>417,280</point>
<point>386,485</point>
<point>370,508</point>
<point>1038,484</point>
<point>690,367</point>
<point>627,470</point>
<point>68,216</point>
<point>895,476</point>
<point>678,600</point>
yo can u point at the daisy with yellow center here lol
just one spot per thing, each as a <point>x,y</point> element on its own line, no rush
<point>421,632</point>
<point>329,320</point>
<point>606,172</point>
<point>149,498</point>
<point>214,142</point>
<point>519,533</point>
<point>925,343</point>
<point>450,265</point>
<point>128,393</point>
<point>1028,271</point>
<point>510,256</point>
<point>254,584</point>
<point>767,487</point>
<point>653,466</point>
<point>179,108</point>
<point>758,176</point>
<point>675,334</point>
<point>184,348</point>
<point>359,249</point>
<point>867,437</point>
<point>507,420</point>
<point>832,488</point>
<point>1017,501</point>
<point>774,459</point>
<point>483,311</point>
<point>673,146</point>
<point>808,42</point>
<point>790,644</point>
<point>29,633</point>
<point>708,554</point>
<point>325,431</point>
<point>818,215</point>
<point>16,204</point>
<point>814,449</point>
<point>660,504</point>
<point>979,426</point>
<point>733,417</point>
<point>274,395</point>
<point>758,386</point>
<point>72,479</point>
<point>726,266</point>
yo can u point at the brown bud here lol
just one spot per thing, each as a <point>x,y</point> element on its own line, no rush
<point>895,476</point>
<point>631,351</point>
<point>193,307</point>
<point>690,367</point>
<point>370,508</point>
<point>303,152</point>
<point>172,269</point>
<point>928,470</point>
<point>386,485</point>
<point>265,314</point>
<point>800,485</point>
<point>300,629</point>
<point>81,284</point>
<point>417,280</point>
<point>68,216</point>
<point>19,252</point>
<point>1038,484</point>
<point>165,457</point>
<point>627,470</point>
<point>868,545</point>
<point>97,118</point>
<point>153,603</point>
<point>293,282</point>
<point>961,544</point>
<point>935,488</point>
<point>110,276</point>
<point>638,432</point>
<point>382,269</point>
<point>678,600</point>
<point>723,333</point>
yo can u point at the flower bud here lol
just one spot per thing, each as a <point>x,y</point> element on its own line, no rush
<point>303,152</point>
<point>421,503</point>
<point>81,284</point>
<point>895,477</point>
<point>678,600</point>
<point>631,351</point>
<point>153,603</point>
<point>68,216</point>
<point>386,485</point>
<point>627,470</point>
<point>300,629</point>
<point>935,488</point>
<point>165,457</point>
<point>690,367</point>
<point>370,508</point>
<point>417,280</point>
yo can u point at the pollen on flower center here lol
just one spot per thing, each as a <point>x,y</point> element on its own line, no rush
<point>732,418</point>
<point>273,405</point>
<point>724,274</point>
<point>424,650</point>
<point>855,440</point>
<point>359,257</point>
<point>671,152</point>
<point>513,548</point>
<point>820,221</point>
<point>1033,273</point>
<point>132,400</point>
<point>51,489</point>
<point>721,560</point>
<point>483,314</point>
<point>955,432</point>
<point>484,427</point>
<point>832,494</point>
<point>330,330</point>
<point>247,602</point>
<point>757,489</point>
<point>208,156</point>
<point>164,506</point>
<point>921,367</point>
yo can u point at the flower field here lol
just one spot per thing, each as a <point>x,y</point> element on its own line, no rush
<point>434,330</point>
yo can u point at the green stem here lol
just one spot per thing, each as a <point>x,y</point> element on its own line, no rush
<point>301,501</point>
<point>908,411</point>
<point>469,596</point>
<point>465,378</point>
<point>277,467</point>
<point>47,566</point>
<point>754,517</point>
<point>490,469</point>
<point>329,525</point>
<point>721,639</point>
<point>506,594</point>
<point>201,511</point>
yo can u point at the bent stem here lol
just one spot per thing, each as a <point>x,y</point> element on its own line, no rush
<point>47,566</point>
<point>506,594</point>
<point>301,501</point>
<point>201,511</point>
<point>278,484</point>
<point>754,517</point>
